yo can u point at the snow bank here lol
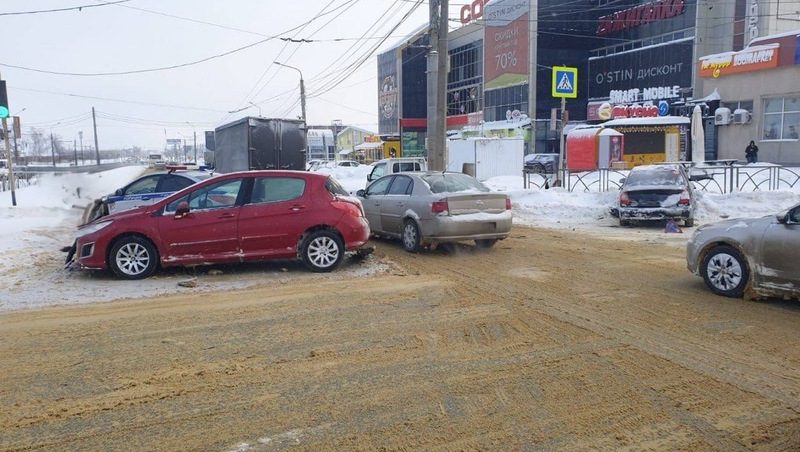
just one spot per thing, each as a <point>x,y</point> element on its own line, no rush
<point>352,178</point>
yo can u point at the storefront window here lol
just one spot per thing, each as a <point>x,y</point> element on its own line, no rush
<point>782,118</point>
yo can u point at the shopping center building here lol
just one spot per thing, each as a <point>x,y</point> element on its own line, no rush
<point>628,52</point>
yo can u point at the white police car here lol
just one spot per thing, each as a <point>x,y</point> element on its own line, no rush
<point>146,190</point>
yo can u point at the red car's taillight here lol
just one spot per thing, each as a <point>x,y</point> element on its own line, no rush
<point>438,207</point>
<point>508,203</point>
<point>624,200</point>
<point>685,199</point>
<point>349,207</point>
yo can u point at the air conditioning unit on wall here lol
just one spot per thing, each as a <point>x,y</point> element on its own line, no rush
<point>741,116</point>
<point>722,116</point>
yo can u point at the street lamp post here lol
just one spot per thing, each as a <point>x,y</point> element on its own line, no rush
<point>80,135</point>
<point>258,107</point>
<point>302,89</point>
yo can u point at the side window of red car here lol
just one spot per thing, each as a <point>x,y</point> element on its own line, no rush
<point>223,194</point>
<point>276,189</point>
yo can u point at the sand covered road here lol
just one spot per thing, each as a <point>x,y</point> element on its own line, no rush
<point>553,339</point>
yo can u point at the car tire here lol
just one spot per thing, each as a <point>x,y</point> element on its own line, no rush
<point>688,223</point>
<point>485,244</point>
<point>624,223</point>
<point>411,237</point>
<point>322,251</point>
<point>725,271</point>
<point>133,257</point>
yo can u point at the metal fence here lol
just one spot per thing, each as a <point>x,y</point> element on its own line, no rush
<point>22,179</point>
<point>714,177</point>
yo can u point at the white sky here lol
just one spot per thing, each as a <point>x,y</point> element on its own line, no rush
<point>116,38</point>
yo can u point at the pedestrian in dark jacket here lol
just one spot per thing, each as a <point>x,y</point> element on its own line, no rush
<point>751,152</point>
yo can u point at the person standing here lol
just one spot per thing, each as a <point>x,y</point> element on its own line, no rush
<point>751,152</point>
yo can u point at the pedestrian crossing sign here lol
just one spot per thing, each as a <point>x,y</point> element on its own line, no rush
<point>565,82</point>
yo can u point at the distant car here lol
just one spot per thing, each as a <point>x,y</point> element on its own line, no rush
<point>396,165</point>
<point>432,207</point>
<point>145,190</point>
<point>156,161</point>
<point>541,163</point>
<point>347,163</point>
<point>759,253</point>
<point>656,192</point>
<point>234,217</point>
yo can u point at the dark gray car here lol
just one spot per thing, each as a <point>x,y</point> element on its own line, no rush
<point>432,207</point>
<point>756,253</point>
<point>656,192</point>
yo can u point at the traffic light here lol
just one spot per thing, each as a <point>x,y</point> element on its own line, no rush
<point>3,100</point>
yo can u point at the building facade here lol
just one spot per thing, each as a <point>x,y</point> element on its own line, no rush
<point>629,53</point>
<point>759,88</point>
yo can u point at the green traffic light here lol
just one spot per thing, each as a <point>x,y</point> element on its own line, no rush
<point>3,112</point>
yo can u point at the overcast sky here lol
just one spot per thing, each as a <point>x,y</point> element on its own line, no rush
<point>173,103</point>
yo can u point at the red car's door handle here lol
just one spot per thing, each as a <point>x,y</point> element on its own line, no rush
<point>296,207</point>
<point>226,215</point>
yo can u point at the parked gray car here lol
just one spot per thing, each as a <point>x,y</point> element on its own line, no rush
<point>424,208</point>
<point>656,192</point>
<point>760,254</point>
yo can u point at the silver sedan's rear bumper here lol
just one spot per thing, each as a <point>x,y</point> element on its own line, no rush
<point>479,226</point>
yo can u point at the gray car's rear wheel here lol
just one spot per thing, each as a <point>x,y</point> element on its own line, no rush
<point>411,236</point>
<point>689,222</point>
<point>322,251</point>
<point>133,257</point>
<point>725,271</point>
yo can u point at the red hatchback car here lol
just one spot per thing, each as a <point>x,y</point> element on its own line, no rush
<point>236,217</point>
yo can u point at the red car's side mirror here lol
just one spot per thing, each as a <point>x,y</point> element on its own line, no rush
<point>182,210</point>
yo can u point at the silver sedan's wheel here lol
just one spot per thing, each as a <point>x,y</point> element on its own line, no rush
<point>322,251</point>
<point>411,237</point>
<point>133,258</point>
<point>725,271</point>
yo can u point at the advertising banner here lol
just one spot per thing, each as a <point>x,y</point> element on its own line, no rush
<point>506,42</point>
<point>388,93</point>
<point>655,66</point>
<point>751,59</point>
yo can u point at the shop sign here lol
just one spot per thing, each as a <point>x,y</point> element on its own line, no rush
<point>752,21</point>
<point>748,60</point>
<point>661,65</point>
<point>629,96</point>
<point>640,15</point>
<point>472,11</point>
<point>607,110</point>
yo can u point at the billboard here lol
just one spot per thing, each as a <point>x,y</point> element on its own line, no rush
<point>388,93</point>
<point>506,42</point>
<point>664,65</point>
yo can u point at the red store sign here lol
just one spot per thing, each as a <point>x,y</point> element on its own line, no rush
<point>640,15</point>
<point>472,11</point>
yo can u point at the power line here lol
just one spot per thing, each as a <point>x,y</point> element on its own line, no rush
<point>58,10</point>
<point>165,68</point>
<point>109,99</point>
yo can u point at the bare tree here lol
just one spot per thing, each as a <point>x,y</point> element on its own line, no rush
<point>39,143</point>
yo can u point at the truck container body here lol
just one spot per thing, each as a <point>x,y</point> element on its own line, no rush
<point>258,144</point>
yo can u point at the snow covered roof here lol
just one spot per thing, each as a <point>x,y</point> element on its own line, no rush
<point>776,36</point>
<point>657,121</point>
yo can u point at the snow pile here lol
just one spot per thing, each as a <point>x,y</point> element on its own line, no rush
<point>352,178</point>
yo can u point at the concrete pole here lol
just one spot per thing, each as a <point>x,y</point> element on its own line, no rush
<point>533,42</point>
<point>437,85</point>
<point>53,148</point>
<point>96,146</point>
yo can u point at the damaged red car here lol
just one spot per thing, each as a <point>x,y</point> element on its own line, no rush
<point>236,217</point>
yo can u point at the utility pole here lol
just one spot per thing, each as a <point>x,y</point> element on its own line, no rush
<point>80,135</point>
<point>195,147</point>
<point>96,146</point>
<point>437,85</point>
<point>9,156</point>
<point>75,150</point>
<point>303,98</point>
<point>53,148</point>
<point>17,131</point>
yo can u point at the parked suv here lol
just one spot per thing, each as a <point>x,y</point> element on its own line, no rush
<point>396,165</point>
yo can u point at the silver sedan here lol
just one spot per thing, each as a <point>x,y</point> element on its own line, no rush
<point>424,208</point>
<point>757,254</point>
